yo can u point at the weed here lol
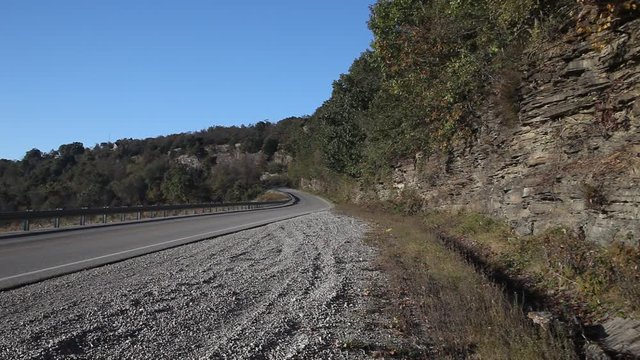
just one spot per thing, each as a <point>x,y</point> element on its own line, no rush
<point>442,297</point>
<point>507,96</point>
<point>625,267</point>
<point>583,279</point>
<point>594,197</point>
<point>272,196</point>
<point>408,203</point>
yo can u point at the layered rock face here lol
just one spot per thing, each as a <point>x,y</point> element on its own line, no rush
<point>572,157</point>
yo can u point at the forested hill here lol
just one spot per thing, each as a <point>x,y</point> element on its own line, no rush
<point>217,164</point>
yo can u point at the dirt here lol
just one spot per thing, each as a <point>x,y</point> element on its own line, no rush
<point>302,288</point>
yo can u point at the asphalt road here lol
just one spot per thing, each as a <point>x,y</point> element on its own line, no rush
<point>33,258</point>
<point>304,288</point>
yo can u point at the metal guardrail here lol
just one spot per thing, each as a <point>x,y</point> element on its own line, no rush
<point>82,213</point>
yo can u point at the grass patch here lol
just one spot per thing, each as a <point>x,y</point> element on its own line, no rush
<point>582,278</point>
<point>271,195</point>
<point>443,298</point>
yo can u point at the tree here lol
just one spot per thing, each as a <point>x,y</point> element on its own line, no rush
<point>130,190</point>
<point>176,184</point>
<point>270,146</point>
<point>73,149</point>
<point>342,118</point>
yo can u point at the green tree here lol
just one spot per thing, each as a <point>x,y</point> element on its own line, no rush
<point>175,185</point>
<point>130,190</point>
<point>342,119</point>
<point>270,146</point>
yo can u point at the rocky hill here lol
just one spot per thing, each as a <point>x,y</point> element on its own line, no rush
<point>570,158</point>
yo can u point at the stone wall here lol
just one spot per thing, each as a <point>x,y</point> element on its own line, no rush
<point>571,159</point>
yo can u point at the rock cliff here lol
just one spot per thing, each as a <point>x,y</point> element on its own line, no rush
<point>572,157</point>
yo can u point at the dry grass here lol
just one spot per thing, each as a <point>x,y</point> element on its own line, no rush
<point>271,195</point>
<point>442,296</point>
<point>506,96</point>
<point>583,279</point>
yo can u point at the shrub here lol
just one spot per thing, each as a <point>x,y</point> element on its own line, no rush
<point>594,197</point>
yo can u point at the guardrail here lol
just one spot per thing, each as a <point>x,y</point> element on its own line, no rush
<point>106,213</point>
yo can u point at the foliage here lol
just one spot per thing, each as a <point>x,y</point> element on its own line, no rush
<point>149,171</point>
<point>594,197</point>
<point>438,53</point>
<point>341,117</point>
<point>421,85</point>
<point>270,146</point>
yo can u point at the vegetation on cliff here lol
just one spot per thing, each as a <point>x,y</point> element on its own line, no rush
<point>433,69</point>
<point>421,85</point>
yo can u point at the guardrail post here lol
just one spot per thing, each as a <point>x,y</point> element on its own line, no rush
<point>25,225</point>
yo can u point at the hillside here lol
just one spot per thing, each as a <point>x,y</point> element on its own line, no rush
<point>216,164</point>
<point>522,110</point>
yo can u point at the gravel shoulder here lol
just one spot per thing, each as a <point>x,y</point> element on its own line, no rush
<point>302,288</point>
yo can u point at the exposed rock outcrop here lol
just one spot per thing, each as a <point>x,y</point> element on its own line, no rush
<point>573,157</point>
<point>227,154</point>
<point>622,336</point>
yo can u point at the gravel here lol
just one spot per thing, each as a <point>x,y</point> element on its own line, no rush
<point>301,288</point>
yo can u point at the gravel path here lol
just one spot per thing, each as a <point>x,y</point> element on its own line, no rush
<point>301,288</point>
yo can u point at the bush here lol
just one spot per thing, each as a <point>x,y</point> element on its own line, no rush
<point>594,197</point>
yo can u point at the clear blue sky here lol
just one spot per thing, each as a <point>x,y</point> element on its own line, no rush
<point>99,70</point>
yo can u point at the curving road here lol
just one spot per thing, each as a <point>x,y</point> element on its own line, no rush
<point>303,288</point>
<point>34,258</point>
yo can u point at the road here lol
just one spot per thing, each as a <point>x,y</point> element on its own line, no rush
<point>34,258</point>
<point>303,288</point>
